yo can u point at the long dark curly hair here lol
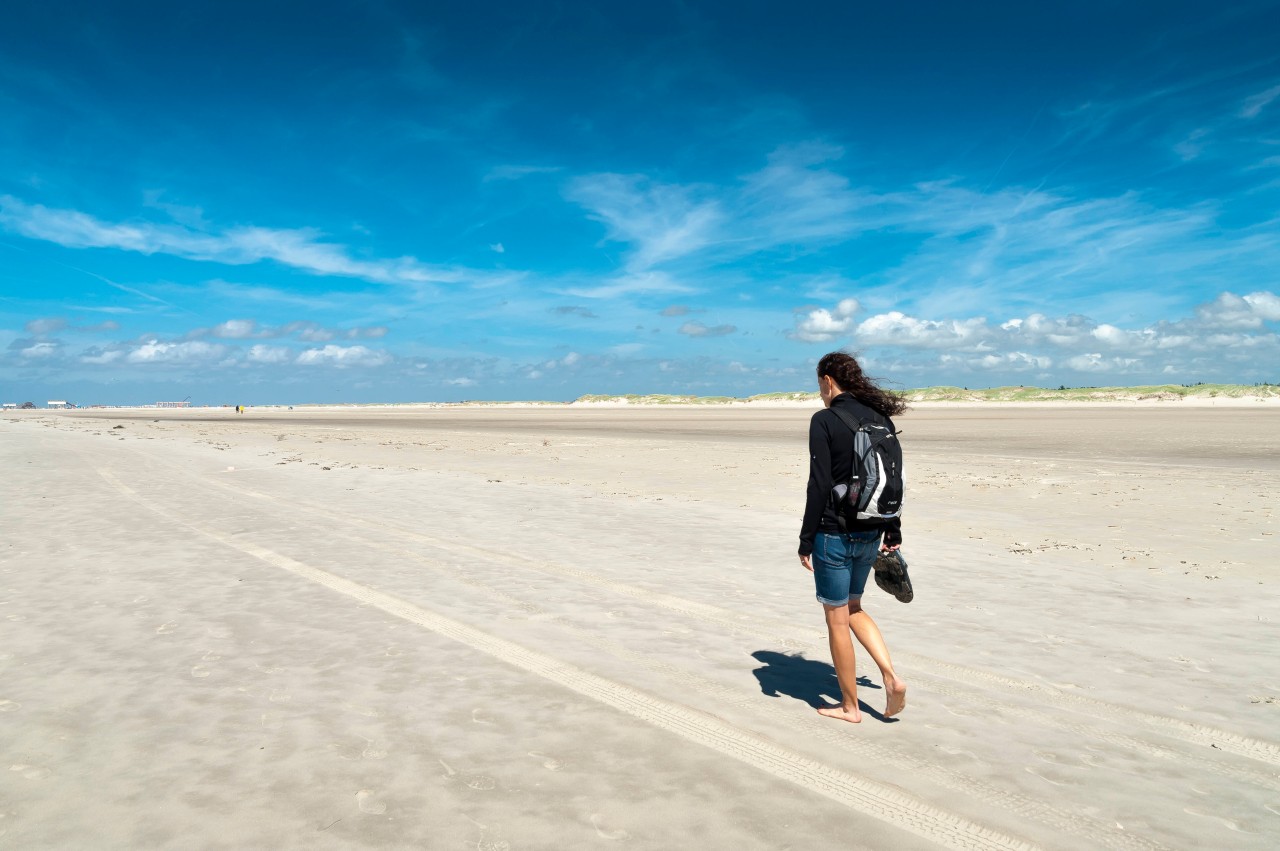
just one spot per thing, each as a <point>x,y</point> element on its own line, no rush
<point>844,368</point>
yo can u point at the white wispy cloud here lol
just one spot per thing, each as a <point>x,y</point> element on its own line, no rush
<point>662,222</point>
<point>1254,104</point>
<point>50,325</point>
<point>640,283</point>
<point>302,248</point>
<point>516,172</point>
<point>1001,247</point>
<point>697,329</point>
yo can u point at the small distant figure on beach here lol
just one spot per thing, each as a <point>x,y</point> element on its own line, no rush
<point>849,519</point>
<point>239,409</point>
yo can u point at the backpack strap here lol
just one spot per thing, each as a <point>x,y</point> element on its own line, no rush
<point>848,419</point>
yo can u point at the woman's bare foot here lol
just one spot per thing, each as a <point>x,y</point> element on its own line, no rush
<point>854,716</point>
<point>896,689</point>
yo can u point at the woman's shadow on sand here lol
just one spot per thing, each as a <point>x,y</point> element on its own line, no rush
<point>806,679</point>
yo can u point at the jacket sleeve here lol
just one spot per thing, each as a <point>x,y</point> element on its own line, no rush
<point>820,484</point>
<point>893,532</point>
<point>893,529</point>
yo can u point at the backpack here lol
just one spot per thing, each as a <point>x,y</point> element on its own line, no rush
<point>874,492</point>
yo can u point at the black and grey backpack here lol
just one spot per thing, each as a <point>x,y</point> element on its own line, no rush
<point>874,491</point>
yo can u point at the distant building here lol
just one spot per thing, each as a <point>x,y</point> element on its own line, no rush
<point>183,404</point>
<point>58,403</point>
<point>10,406</point>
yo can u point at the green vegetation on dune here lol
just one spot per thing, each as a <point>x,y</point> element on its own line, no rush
<point>656,399</point>
<point>1152,392</point>
<point>1155,392</point>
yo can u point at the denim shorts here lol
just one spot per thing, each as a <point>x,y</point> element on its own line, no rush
<point>841,564</point>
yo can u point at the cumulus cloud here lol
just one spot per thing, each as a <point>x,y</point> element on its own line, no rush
<point>898,329</point>
<point>39,350</point>
<point>1232,311</point>
<point>99,356</point>
<point>1095,362</point>
<point>697,329</point>
<point>307,331</point>
<point>190,351</point>
<point>820,325</point>
<point>1008,361</point>
<point>675,310</point>
<point>343,356</point>
<point>1228,330</point>
<point>268,354</point>
<point>236,329</point>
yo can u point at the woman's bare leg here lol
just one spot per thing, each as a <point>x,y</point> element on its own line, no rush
<point>868,635</point>
<point>846,670</point>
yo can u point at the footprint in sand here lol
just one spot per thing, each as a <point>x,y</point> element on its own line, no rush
<point>1230,825</point>
<point>476,717</point>
<point>199,671</point>
<point>367,801</point>
<point>9,706</point>
<point>1046,778</point>
<point>596,818</point>
<point>31,772</point>
<point>549,763</point>
<point>482,782</point>
<point>278,696</point>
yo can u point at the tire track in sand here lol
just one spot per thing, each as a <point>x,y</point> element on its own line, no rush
<point>1190,732</point>
<point>882,802</point>
<point>1024,806</point>
<point>1027,807</point>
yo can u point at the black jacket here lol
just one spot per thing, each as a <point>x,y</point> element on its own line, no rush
<point>831,461</point>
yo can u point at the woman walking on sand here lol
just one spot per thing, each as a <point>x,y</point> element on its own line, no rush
<point>840,561</point>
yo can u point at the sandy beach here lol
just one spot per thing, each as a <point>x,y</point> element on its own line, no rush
<point>556,627</point>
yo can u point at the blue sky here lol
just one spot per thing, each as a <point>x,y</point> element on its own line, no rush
<point>395,202</point>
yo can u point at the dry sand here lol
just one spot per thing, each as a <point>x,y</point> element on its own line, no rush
<point>570,628</point>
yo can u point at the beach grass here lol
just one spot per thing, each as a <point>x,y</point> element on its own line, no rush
<point>1015,393</point>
